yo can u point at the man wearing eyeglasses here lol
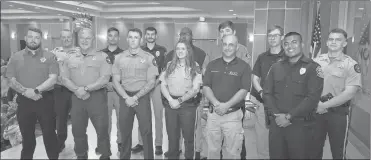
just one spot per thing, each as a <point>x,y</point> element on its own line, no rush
<point>260,71</point>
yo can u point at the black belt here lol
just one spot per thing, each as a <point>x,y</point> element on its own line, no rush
<point>230,110</point>
<point>189,101</point>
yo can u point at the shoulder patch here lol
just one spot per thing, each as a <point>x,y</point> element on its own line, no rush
<point>108,60</point>
<point>357,68</point>
<point>154,62</point>
<point>319,71</point>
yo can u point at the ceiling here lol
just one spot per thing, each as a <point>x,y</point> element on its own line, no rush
<point>140,9</point>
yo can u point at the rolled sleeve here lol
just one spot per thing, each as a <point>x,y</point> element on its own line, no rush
<point>246,78</point>
<point>152,69</point>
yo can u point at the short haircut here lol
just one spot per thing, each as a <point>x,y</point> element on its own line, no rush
<point>136,30</point>
<point>66,30</point>
<point>150,29</point>
<point>37,30</point>
<point>113,29</point>
<point>225,25</point>
<point>294,34</point>
<point>274,27</point>
<point>339,30</point>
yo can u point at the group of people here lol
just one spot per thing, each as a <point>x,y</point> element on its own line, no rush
<point>296,100</point>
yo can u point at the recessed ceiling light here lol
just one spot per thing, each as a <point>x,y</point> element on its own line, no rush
<point>59,14</point>
<point>235,14</point>
<point>10,5</point>
<point>20,8</point>
<point>231,10</point>
<point>361,8</point>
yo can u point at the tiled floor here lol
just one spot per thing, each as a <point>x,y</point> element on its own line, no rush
<point>68,153</point>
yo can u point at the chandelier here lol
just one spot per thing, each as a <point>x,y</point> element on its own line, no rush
<point>82,20</point>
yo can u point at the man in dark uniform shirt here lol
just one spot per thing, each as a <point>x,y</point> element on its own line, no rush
<point>159,53</point>
<point>292,91</point>
<point>113,100</point>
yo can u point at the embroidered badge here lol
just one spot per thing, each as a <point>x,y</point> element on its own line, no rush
<point>108,60</point>
<point>154,62</point>
<point>302,71</point>
<point>43,59</point>
<point>142,60</point>
<point>319,72</point>
<point>357,68</point>
<point>157,53</point>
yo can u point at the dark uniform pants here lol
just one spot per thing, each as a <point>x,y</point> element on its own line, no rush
<point>291,142</point>
<point>335,124</point>
<point>95,108</point>
<point>182,119</point>
<point>126,120</point>
<point>62,106</point>
<point>28,113</point>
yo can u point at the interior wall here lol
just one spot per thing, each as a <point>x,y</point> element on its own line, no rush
<point>5,41</point>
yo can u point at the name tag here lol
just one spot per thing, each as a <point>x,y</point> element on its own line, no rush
<point>233,73</point>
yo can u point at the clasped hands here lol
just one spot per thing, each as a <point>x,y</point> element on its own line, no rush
<point>82,94</point>
<point>221,108</point>
<point>321,109</point>
<point>30,93</point>
<point>132,101</point>
<point>281,120</point>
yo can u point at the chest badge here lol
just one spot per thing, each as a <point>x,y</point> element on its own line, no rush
<point>157,53</point>
<point>302,71</point>
<point>43,59</point>
<point>142,60</point>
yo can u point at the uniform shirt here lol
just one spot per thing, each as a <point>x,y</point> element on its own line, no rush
<point>159,53</point>
<point>341,72</point>
<point>112,55</point>
<point>242,53</point>
<point>180,81</point>
<point>135,70</point>
<point>86,69</point>
<point>293,88</point>
<point>226,78</point>
<point>199,55</point>
<point>61,55</point>
<point>32,70</point>
<point>261,67</point>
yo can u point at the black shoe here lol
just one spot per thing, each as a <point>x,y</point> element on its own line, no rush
<point>97,151</point>
<point>104,157</point>
<point>205,158</point>
<point>166,154</point>
<point>158,150</point>
<point>119,146</point>
<point>197,155</point>
<point>62,147</point>
<point>137,148</point>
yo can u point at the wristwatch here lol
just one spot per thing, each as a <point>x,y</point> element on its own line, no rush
<point>36,91</point>
<point>180,100</point>
<point>86,88</point>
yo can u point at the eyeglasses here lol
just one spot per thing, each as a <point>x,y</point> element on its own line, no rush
<point>273,36</point>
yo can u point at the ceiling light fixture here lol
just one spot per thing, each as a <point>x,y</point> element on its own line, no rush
<point>235,14</point>
<point>10,5</point>
<point>231,10</point>
<point>361,8</point>
<point>202,19</point>
<point>59,14</point>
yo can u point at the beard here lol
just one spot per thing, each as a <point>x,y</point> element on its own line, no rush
<point>33,46</point>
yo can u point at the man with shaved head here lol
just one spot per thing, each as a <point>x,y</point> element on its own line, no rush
<point>62,96</point>
<point>226,83</point>
<point>86,73</point>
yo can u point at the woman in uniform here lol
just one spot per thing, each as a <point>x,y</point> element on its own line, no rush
<point>181,81</point>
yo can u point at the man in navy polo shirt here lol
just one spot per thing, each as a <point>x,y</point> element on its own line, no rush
<point>226,83</point>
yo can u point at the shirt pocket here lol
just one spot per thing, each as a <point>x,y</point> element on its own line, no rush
<point>337,79</point>
<point>299,85</point>
<point>95,66</point>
